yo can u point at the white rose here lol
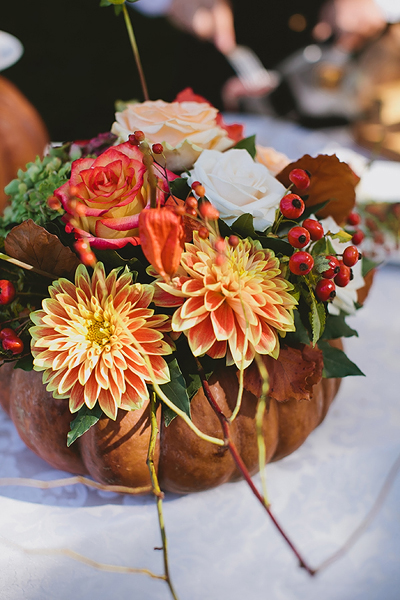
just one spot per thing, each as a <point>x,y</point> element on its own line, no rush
<point>347,296</point>
<point>185,129</point>
<point>236,185</point>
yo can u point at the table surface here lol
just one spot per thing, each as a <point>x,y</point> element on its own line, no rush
<point>221,543</point>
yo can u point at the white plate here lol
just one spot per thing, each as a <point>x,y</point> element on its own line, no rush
<point>11,50</point>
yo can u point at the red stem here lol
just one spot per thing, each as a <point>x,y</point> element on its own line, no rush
<point>242,467</point>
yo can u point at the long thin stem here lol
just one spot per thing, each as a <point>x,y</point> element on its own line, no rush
<point>242,467</point>
<point>261,407</point>
<point>157,491</point>
<point>25,266</point>
<point>135,49</point>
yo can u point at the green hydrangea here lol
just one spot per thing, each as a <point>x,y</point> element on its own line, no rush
<point>30,191</point>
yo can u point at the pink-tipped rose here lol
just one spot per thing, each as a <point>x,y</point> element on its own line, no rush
<point>105,195</point>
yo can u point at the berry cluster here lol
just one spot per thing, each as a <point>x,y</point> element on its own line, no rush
<point>9,339</point>
<point>338,272</point>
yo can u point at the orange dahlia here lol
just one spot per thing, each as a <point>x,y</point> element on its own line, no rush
<point>91,337</point>
<point>235,308</point>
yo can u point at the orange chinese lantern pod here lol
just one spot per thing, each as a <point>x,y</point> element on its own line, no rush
<point>162,237</point>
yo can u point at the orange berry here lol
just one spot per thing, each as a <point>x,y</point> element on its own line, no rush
<point>208,211</point>
<point>53,203</point>
<point>199,190</point>
<point>233,240</point>
<point>191,202</point>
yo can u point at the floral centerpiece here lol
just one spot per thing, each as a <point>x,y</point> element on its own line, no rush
<point>172,275</point>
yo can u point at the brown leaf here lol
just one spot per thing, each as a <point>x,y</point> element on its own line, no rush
<point>291,376</point>
<point>330,180</point>
<point>35,246</point>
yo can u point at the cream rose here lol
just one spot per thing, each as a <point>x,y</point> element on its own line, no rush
<point>236,185</point>
<point>347,296</point>
<point>274,161</point>
<point>185,129</point>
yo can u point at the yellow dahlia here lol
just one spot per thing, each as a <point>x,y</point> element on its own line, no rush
<point>235,308</point>
<point>91,337</point>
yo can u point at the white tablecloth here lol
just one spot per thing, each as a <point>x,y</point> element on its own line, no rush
<point>222,545</point>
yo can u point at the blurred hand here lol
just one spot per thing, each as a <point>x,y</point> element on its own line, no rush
<point>353,22</point>
<point>210,20</point>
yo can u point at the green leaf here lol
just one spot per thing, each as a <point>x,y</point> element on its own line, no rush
<point>300,336</point>
<point>85,419</point>
<point>321,263</point>
<point>180,188</point>
<point>367,265</point>
<point>336,327</point>
<point>277,245</point>
<point>317,315</point>
<point>342,236</point>
<point>336,363</point>
<point>244,227</point>
<point>248,144</point>
<point>176,392</point>
<point>311,210</point>
<point>323,246</point>
<point>25,363</point>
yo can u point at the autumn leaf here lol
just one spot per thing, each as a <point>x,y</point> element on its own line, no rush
<point>331,180</point>
<point>291,377</point>
<point>35,246</point>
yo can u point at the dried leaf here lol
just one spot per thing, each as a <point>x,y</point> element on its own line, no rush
<point>292,376</point>
<point>330,180</point>
<point>32,244</point>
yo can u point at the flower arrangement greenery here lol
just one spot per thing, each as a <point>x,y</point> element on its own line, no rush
<point>136,264</point>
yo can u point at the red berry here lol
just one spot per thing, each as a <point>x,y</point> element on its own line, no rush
<point>203,233</point>
<point>351,256</point>
<point>13,344</point>
<point>292,206</point>
<point>139,135</point>
<point>325,290</point>
<point>314,228</point>
<point>157,148</point>
<point>354,219</point>
<point>357,237</point>
<point>233,241</point>
<point>7,291</point>
<point>195,184</point>
<point>298,237</point>
<point>6,333</point>
<point>334,268</point>
<point>344,276</point>
<point>301,263</point>
<point>300,178</point>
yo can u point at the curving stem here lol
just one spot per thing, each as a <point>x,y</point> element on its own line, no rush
<point>242,467</point>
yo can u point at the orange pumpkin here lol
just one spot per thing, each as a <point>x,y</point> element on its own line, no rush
<point>23,135</point>
<point>114,452</point>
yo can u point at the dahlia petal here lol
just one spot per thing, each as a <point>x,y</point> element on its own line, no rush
<point>68,380</point>
<point>131,400</point>
<point>213,300</point>
<point>180,324</point>
<point>201,337</point>
<point>217,350</point>
<point>223,321</point>
<point>193,307</point>
<point>108,404</point>
<point>77,397</point>
<point>91,391</point>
